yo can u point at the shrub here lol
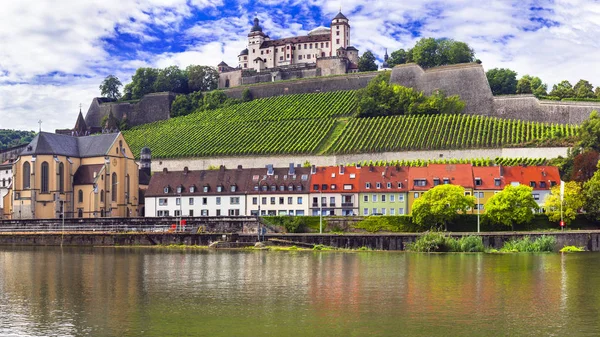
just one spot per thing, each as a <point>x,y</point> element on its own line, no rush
<point>470,243</point>
<point>542,244</point>
<point>439,242</point>
<point>571,249</point>
<point>374,224</point>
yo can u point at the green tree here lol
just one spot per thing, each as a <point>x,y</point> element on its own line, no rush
<point>513,205</point>
<point>573,201</point>
<point>459,52</point>
<point>430,52</point>
<point>584,89</point>
<point>110,87</point>
<point>214,99</point>
<point>367,62</point>
<point>171,79</point>
<point>564,89</point>
<point>398,57</point>
<point>202,78</point>
<point>524,86</point>
<point>502,81</point>
<point>440,205</point>
<point>591,196</point>
<point>127,92</point>
<point>143,82</point>
<point>247,95</point>
<point>597,92</point>
<point>424,52</point>
<point>538,87</point>
<point>589,133</point>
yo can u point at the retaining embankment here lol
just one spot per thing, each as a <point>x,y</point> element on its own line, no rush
<point>588,239</point>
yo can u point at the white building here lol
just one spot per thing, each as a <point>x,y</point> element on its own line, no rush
<point>5,182</point>
<point>197,193</point>
<point>278,191</point>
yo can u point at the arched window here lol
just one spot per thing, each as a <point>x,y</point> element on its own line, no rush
<point>114,187</point>
<point>61,178</point>
<point>80,212</point>
<point>45,178</point>
<point>26,175</point>
<point>80,196</point>
<point>127,189</point>
<point>101,195</point>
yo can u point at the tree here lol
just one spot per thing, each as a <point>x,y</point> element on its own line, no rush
<point>398,57</point>
<point>214,99</point>
<point>591,195</point>
<point>597,92</point>
<point>171,79</point>
<point>584,166</point>
<point>247,95</point>
<point>143,82</point>
<point>367,62</point>
<point>573,201</point>
<point>127,92</point>
<point>440,205</point>
<point>589,133</point>
<point>564,89</point>
<point>502,81</point>
<point>424,52</point>
<point>110,87</point>
<point>202,78</point>
<point>524,86</point>
<point>513,205</point>
<point>459,52</point>
<point>186,104</point>
<point>584,89</point>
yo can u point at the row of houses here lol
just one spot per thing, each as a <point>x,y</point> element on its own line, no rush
<point>333,190</point>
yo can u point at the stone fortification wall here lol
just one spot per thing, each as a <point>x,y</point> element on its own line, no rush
<point>283,161</point>
<point>527,107</point>
<point>151,108</point>
<point>332,65</point>
<point>317,84</point>
<point>466,80</point>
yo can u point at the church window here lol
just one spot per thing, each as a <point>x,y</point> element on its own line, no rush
<point>80,196</point>
<point>45,176</point>
<point>114,187</point>
<point>26,175</point>
<point>102,196</point>
<point>61,178</point>
<point>80,213</point>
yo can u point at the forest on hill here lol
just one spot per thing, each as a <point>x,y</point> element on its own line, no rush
<point>10,138</point>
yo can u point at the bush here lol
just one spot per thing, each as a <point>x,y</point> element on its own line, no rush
<point>247,95</point>
<point>542,244</point>
<point>374,224</point>
<point>439,242</point>
<point>295,224</point>
<point>571,249</point>
<point>470,244</point>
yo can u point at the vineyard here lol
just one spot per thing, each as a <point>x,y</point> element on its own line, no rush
<point>475,162</point>
<point>441,132</point>
<point>322,123</point>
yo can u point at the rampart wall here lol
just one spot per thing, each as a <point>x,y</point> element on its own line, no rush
<point>151,108</point>
<point>527,107</point>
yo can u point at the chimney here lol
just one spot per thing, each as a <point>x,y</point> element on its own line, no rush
<point>313,169</point>
<point>292,170</point>
<point>222,168</point>
<point>239,167</point>
<point>165,170</point>
<point>270,171</point>
<point>370,168</point>
<point>185,170</point>
<point>501,171</point>
<point>358,166</point>
<point>341,169</point>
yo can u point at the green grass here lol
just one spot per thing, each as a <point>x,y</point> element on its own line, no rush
<point>542,244</point>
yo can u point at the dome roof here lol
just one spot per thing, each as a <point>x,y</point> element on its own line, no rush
<point>244,52</point>
<point>340,16</point>
<point>256,27</point>
<point>146,150</point>
<point>320,31</point>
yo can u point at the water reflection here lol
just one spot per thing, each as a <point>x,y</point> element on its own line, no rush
<point>128,291</point>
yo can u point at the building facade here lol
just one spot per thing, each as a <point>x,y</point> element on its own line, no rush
<point>383,190</point>
<point>5,183</point>
<point>59,175</point>
<point>334,190</point>
<point>487,181</point>
<point>540,178</point>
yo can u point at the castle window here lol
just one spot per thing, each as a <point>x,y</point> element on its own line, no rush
<point>287,56</point>
<point>262,52</point>
<point>26,175</point>
<point>288,47</point>
<point>245,65</point>
<point>253,50</point>
<point>245,58</point>
<point>299,57</point>
<point>308,56</point>
<point>322,54</point>
<point>227,83</point>
<point>299,46</point>
<point>321,44</point>
<point>280,58</point>
<point>337,27</point>
<point>305,45</point>
<point>45,176</point>
<point>310,46</point>
<point>337,41</point>
<point>326,44</point>
<point>337,33</point>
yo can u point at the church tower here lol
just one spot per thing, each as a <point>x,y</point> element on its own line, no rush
<point>256,37</point>
<point>340,33</point>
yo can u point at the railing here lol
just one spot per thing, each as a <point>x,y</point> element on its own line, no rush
<point>347,204</point>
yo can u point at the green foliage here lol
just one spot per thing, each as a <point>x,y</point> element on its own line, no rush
<point>306,164</point>
<point>10,138</point>
<point>591,194</point>
<point>202,78</point>
<point>367,62</point>
<point>502,81</point>
<point>185,104</point>
<point>513,205</point>
<point>562,90</point>
<point>430,52</point>
<point>572,203</point>
<point>543,243</point>
<point>440,205</point>
<point>171,79</point>
<point>439,242</point>
<point>247,95</point>
<point>531,85</point>
<point>400,56</point>
<point>142,82</point>
<point>375,224</point>
<point>584,89</point>
<point>298,224</point>
<point>572,249</point>
<point>589,132</point>
<point>110,87</point>
<point>214,99</point>
<point>380,98</point>
<point>477,162</point>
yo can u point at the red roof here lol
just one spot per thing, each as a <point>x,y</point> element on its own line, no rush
<point>488,176</point>
<point>346,182</point>
<point>455,174</point>
<point>383,175</point>
<point>538,177</point>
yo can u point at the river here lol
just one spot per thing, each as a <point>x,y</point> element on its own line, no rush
<point>117,291</point>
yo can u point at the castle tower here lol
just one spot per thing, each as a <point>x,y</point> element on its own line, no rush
<point>256,37</point>
<point>340,33</point>
<point>146,160</point>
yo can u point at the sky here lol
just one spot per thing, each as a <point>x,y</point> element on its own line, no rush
<point>55,53</point>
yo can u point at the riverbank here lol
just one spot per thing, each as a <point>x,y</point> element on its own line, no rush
<point>590,239</point>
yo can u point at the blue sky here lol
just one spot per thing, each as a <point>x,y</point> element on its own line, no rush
<point>55,53</point>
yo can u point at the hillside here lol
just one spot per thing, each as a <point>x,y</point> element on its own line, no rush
<point>322,123</point>
<point>9,138</point>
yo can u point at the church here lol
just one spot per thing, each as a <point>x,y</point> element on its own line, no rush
<point>323,52</point>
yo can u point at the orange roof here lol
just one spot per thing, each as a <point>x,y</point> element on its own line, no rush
<point>455,174</point>
<point>383,175</point>
<point>488,176</point>
<point>538,177</point>
<point>331,175</point>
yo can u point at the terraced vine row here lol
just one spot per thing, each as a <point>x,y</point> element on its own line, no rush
<point>475,162</point>
<point>441,132</point>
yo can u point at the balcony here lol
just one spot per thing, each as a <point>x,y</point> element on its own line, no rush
<point>315,204</point>
<point>332,205</point>
<point>347,204</point>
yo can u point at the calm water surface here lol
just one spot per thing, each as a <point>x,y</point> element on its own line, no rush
<point>49,291</point>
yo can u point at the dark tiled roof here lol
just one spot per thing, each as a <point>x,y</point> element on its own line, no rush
<point>199,179</point>
<point>340,16</point>
<point>85,174</point>
<point>295,40</point>
<point>79,147</point>
<point>280,177</point>
<point>144,178</point>
<point>244,52</point>
<point>222,64</point>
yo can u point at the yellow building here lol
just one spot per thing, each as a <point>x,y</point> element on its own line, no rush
<point>84,177</point>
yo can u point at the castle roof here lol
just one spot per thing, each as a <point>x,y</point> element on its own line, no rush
<point>244,52</point>
<point>256,27</point>
<point>296,40</point>
<point>320,31</point>
<point>80,125</point>
<point>222,64</point>
<point>340,16</point>
<point>63,145</point>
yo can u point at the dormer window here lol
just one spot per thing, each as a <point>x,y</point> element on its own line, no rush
<point>532,184</point>
<point>291,188</point>
<point>399,185</point>
<point>333,187</point>
<point>368,185</point>
<point>273,188</point>
<point>478,182</point>
<point>282,188</point>
<point>166,189</point>
<point>315,187</point>
<point>389,185</point>
<point>256,187</point>
<point>436,181</point>
<point>179,189</point>
<point>205,189</point>
<point>543,184</point>
<point>422,182</point>
<point>496,181</point>
<point>192,189</point>
<point>446,181</point>
<point>299,188</point>
<point>324,187</point>
<point>552,183</point>
<point>378,185</point>
<point>233,188</point>
<point>219,188</point>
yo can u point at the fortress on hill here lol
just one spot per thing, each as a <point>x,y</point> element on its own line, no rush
<point>323,52</point>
